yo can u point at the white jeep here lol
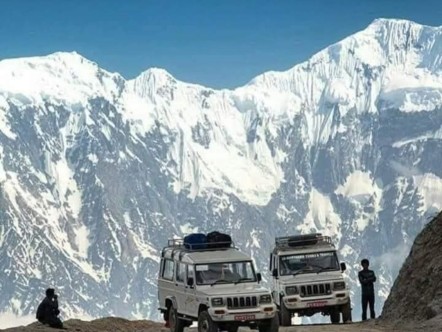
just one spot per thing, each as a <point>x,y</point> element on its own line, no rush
<point>307,279</point>
<point>218,288</point>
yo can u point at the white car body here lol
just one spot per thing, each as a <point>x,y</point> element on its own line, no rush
<point>229,304</point>
<point>309,290</point>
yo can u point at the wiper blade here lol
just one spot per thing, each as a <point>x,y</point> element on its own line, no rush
<point>300,271</point>
<point>322,269</point>
<point>219,281</point>
<point>242,279</point>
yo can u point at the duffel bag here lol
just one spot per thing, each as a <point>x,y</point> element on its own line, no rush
<point>195,241</point>
<point>218,240</point>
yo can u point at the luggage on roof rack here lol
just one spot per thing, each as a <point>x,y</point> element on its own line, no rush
<point>217,240</point>
<point>302,240</point>
<point>195,241</point>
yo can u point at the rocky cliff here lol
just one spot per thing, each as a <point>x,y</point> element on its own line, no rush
<point>417,292</point>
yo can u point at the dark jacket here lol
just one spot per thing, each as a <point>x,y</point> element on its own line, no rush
<point>367,279</point>
<point>47,310</point>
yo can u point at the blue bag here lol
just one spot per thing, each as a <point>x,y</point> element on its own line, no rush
<point>196,241</point>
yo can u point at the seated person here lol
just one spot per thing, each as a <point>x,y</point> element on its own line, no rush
<point>47,311</point>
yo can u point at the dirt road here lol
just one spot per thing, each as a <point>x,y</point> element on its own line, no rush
<point>354,327</point>
<point>121,325</point>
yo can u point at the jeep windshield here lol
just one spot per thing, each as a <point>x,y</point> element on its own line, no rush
<point>308,263</point>
<point>224,273</point>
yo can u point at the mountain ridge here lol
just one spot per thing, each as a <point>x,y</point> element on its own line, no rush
<point>96,171</point>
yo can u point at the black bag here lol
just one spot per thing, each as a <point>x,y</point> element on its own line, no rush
<point>303,240</point>
<point>196,241</point>
<point>218,240</point>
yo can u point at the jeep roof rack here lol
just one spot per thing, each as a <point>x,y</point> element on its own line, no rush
<point>289,242</point>
<point>178,244</point>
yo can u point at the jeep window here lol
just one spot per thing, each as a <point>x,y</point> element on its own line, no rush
<point>190,272</point>
<point>168,269</point>
<point>232,272</point>
<point>308,263</point>
<point>181,269</point>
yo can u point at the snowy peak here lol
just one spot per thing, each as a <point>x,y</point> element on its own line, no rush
<point>151,82</point>
<point>57,77</point>
<point>389,59</point>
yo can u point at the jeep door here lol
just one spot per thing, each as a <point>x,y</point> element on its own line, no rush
<point>192,302</point>
<point>276,285</point>
<point>180,286</point>
<point>165,282</point>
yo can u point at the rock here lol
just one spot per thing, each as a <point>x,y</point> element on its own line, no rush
<point>417,292</point>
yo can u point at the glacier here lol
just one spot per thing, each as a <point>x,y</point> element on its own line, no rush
<point>97,171</point>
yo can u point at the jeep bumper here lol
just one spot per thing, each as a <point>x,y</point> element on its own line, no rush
<point>293,302</point>
<point>243,316</point>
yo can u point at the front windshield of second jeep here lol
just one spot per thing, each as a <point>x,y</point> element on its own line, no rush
<point>222,273</point>
<point>308,263</point>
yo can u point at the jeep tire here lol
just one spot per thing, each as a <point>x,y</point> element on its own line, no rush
<point>285,318</point>
<point>335,315</point>
<point>269,325</point>
<point>205,323</point>
<point>176,324</point>
<point>346,312</point>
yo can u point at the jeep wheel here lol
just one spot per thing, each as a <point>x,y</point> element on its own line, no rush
<point>285,318</point>
<point>269,325</point>
<point>335,315</point>
<point>205,323</point>
<point>175,323</point>
<point>346,312</point>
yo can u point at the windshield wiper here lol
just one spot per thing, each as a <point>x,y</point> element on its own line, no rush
<point>322,269</point>
<point>219,280</point>
<point>310,266</point>
<point>242,279</point>
<point>300,270</point>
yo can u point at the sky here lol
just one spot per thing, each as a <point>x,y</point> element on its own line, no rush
<point>220,44</point>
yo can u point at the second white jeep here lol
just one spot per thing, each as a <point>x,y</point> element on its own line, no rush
<point>216,287</point>
<point>307,279</point>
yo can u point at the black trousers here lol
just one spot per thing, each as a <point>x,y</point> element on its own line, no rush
<point>368,299</point>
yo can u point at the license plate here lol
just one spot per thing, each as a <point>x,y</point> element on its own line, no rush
<point>317,304</point>
<point>244,317</point>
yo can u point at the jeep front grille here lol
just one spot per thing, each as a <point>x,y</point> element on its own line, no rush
<point>315,290</point>
<point>242,302</point>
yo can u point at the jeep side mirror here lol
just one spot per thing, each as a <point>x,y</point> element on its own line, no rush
<point>190,282</point>
<point>343,267</point>
<point>259,277</point>
<point>275,273</point>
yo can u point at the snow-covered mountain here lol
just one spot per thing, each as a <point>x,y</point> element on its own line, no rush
<point>97,171</point>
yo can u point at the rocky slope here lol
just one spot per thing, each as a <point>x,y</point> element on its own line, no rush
<point>97,171</point>
<point>417,292</point>
<point>99,325</point>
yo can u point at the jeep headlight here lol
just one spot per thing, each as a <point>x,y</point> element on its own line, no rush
<point>292,290</point>
<point>217,301</point>
<point>339,285</point>
<point>265,298</point>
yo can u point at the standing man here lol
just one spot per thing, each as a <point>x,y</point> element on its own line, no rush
<point>367,278</point>
<point>47,311</point>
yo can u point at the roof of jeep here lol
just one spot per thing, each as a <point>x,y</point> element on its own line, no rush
<point>207,256</point>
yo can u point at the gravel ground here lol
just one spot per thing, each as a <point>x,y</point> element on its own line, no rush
<point>122,325</point>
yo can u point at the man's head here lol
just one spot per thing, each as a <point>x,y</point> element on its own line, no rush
<point>50,293</point>
<point>365,263</point>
